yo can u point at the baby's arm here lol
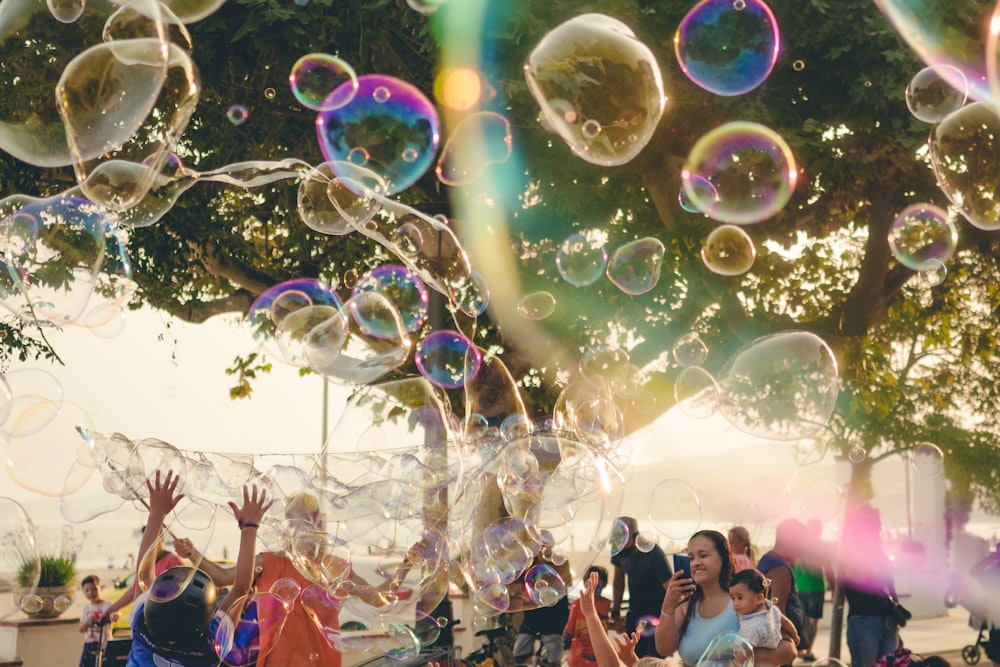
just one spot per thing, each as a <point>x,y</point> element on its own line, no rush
<point>787,627</point>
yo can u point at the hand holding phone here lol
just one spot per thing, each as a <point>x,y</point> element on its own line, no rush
<point>682,563</point>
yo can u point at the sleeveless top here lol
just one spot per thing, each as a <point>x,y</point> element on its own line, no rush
<point>300,639</point>
<point>701,631</point>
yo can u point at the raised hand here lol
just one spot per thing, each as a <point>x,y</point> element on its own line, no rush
<point>255,505</point>
<point>587,605</point>
<point>625,648</point>
<point>162,497</point>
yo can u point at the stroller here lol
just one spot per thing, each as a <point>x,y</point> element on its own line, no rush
<point>971,653</point>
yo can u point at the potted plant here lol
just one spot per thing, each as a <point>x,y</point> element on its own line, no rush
<point>55,589</point>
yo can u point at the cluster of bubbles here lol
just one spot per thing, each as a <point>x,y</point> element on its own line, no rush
<point>600,90</point>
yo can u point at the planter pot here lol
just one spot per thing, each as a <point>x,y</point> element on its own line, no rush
<point>45,602</point>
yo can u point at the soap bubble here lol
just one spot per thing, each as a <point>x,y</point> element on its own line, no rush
<point>933,273</point>
<point>781,387</point>
<point>857,454</point>
<point>237,114</point>
<point>705,193</point>
<point>43,460</point>
<point>928,459</point>
<point>965,149</point>
<point>931,97</point>
<point>404,289</point>
<point>448,359</point>
<point>18,553</point>
<point>582,257</point>
<point>536,305</point>
<point>696,392</point>
<point>33,399</point>
<point>645,542</point>
<point>588,410</point>
<point>634,267</point>
<point>675,509</point>
<point>922,234</point>
<point>271,307</point>
<point>726,47</point>
<point>385,118</point>
<point>690,350</point>
<point>749,166</point>
<point>322,82</point>
<point>618,87</point>
<point>727,648</point>
<point>620,535</point>
<point>543,585</point>
<point>728,251</point>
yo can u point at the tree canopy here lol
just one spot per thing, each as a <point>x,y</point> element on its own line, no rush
<point>918,362</point>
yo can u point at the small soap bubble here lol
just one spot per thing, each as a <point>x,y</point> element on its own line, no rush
<point>590,129</point>
<point>928,459</point>
<point>322,82</point>
<point>728,251</point>
<point>536,305</point>
<point>931,95</point>
<point>934,273</point>
<point>799,65</point>
<point>857,454</point>
<point>690,350</point>
<point>237,114</point>
<point>582,257</point>
<point>634,268</point>
<point>381,94</point>
<point>270,93</point>
<point>922,236</point>
<point>447,359</point>
<point>645,542</point>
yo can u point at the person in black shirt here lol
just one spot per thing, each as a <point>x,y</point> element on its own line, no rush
<point>646,574</point>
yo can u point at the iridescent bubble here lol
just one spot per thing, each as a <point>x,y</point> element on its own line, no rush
<point>606,363</point>
<point>66,11</point>
<point>408,239</point>
<point>328,206</point>
<point>946,34</point>
<point>473,296</point>
<point>749,166</point>
<point>536,305</point>
<point>705,193</point>
<point>274,304</point>
<point>928,459</point>
<point>322,82</point>
<point>404,289</point>
<point>620,535</point>
<point>270,93</point>
<point>634,268</point>
<point>931,97</point>
<point>33,399</point>
<point>385,117</point>
<point>675,509</point>
<point>726,47</point>
<point>617,86</point>
<point>543,585</point>
<point>515,426</point>
<point>646,625</point>
<point>54,251</point>
<point>965,149</point>
<point>447,359</point>
<point>922,234</point>
<point>237,114</point>
<point>589,411</point>
<point>690,350</point>
<point>20,554</point>
<point>300,332</point>
<point>696,392</point>
<point>781,387</point>
<point>728,251</point>
<point>42,461</point>
<point>478,141</point>
<point>582,257</point>
<point>799,65</point>
<point>857,454</point>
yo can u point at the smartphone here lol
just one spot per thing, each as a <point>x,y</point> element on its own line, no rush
<point>682,563</point>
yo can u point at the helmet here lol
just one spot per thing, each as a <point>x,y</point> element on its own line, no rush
<point>180,606</point>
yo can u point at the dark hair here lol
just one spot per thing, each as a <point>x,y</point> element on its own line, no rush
<point>725,574</point>
<point>753,579</point>
<point>602,575</point>
<point>745,535</point>
<point>90,579</point>
<point>931,661</point>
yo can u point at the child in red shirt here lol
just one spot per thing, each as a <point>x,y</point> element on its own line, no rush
<point>581,651</point>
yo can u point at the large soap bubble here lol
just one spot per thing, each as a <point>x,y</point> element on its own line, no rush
<point>727,47</point>
<point>598,86</point>
<point>782,387</point>
<point>389,127</point>
<point>922,236</point>
<point>965,150</point>
<point>751,171</point>
<point>931,97</point>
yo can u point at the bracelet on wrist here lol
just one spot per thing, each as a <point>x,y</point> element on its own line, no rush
<point>248,524</point>
<point>668,614</point>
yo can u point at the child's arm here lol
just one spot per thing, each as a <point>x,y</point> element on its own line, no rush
<point>604,650</point>
<point>161,501</point>
<point>625,645</point>
<point>787,627</point>
<point>222,576</point>
<point>86,621</point>
<point>255,505</point>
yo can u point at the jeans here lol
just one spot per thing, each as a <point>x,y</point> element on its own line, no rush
<point>524,648</point>
<point>869,638</point>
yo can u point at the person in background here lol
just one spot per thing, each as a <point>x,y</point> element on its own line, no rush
<point>646,574</point>
<point>810,580</point>
<point>739,542</point>
<point>165,560</point>
<point>697,609</point>
<point>866,578</point>
<point>175,621</point>
<point>776,565</point>
<point>94,612</point>
<point>581,650</point>
<point>545,622</point>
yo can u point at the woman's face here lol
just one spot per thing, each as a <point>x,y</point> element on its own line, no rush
<point>706,563</point>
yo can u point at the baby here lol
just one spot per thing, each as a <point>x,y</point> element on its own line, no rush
<point>761,622</point>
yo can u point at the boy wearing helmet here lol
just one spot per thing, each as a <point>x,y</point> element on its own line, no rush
<point>174,623</point>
